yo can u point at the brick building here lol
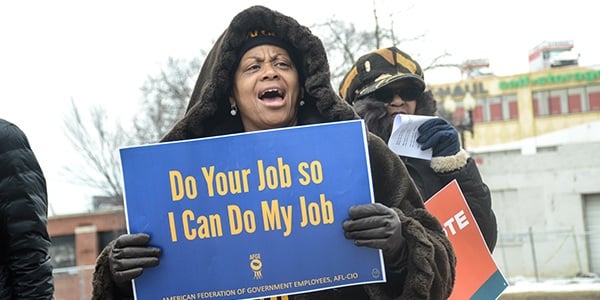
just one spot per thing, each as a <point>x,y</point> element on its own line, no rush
<point>76,242</point>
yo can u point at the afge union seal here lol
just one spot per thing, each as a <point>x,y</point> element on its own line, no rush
<point>256,265</point>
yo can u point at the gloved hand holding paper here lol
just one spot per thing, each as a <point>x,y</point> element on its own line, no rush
<point>403,140</point>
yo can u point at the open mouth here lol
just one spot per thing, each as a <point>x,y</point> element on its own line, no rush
<point>271,95</point>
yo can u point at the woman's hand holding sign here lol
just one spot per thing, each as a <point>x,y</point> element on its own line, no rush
<point>377,226</point>
<point>130,255</point>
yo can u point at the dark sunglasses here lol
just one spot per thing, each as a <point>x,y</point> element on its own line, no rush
<point>387,95</point>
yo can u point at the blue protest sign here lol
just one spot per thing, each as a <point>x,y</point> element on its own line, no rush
<point>251,215</point>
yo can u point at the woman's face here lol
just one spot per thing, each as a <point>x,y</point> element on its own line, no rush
<point>266,89</point>
<point>399,98</point>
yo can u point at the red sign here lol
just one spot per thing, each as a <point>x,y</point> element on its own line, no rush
<point>477,275</point>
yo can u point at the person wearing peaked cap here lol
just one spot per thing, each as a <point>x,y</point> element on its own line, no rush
<point>387,82</point>
<point>379,69</point>
<point>267,71</point>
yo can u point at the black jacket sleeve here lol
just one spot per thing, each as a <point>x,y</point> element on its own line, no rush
<point>25,266</point>
<point>478,198</point>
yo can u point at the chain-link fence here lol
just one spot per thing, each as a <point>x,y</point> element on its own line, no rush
<point>545,254</point>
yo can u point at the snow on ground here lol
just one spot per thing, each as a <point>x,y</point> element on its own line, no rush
<point>522,284</point>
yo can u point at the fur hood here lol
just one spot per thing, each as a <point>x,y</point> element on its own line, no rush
<point>426,104</point>
<point>208,109</point>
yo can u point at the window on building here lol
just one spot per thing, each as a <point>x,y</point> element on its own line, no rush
<point>554,105</point>
<point>577,100</point>
<point>513,110</point>
<point>563,101</point>
<point>106,237</point>
<point>593,97</point>
<point>540,103</point>
<point>546,55</point>
<point>574,103</point>
<point>510,107</point>
<point>495,109</point>
<point>557,102</point>
<point>62,251</point>
<point>478,112</point>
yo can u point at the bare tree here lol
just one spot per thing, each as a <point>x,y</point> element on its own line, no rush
<point>344,44</point>
<point>165,99</point>
<point>97,140</point>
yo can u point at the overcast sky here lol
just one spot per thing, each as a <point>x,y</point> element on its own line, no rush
<point>100,53</point>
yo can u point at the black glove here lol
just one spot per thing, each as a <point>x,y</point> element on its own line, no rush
<point>376,226</point>
<point>130,255</point>
<point>440,136</point>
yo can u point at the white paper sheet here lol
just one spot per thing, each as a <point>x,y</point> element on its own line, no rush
<point>403,140</point>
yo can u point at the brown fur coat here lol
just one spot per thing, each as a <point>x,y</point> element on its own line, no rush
<point>429,269</point>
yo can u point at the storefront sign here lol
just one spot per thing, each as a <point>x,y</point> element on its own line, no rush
<point>549,79</point>
<point>460,90</point>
